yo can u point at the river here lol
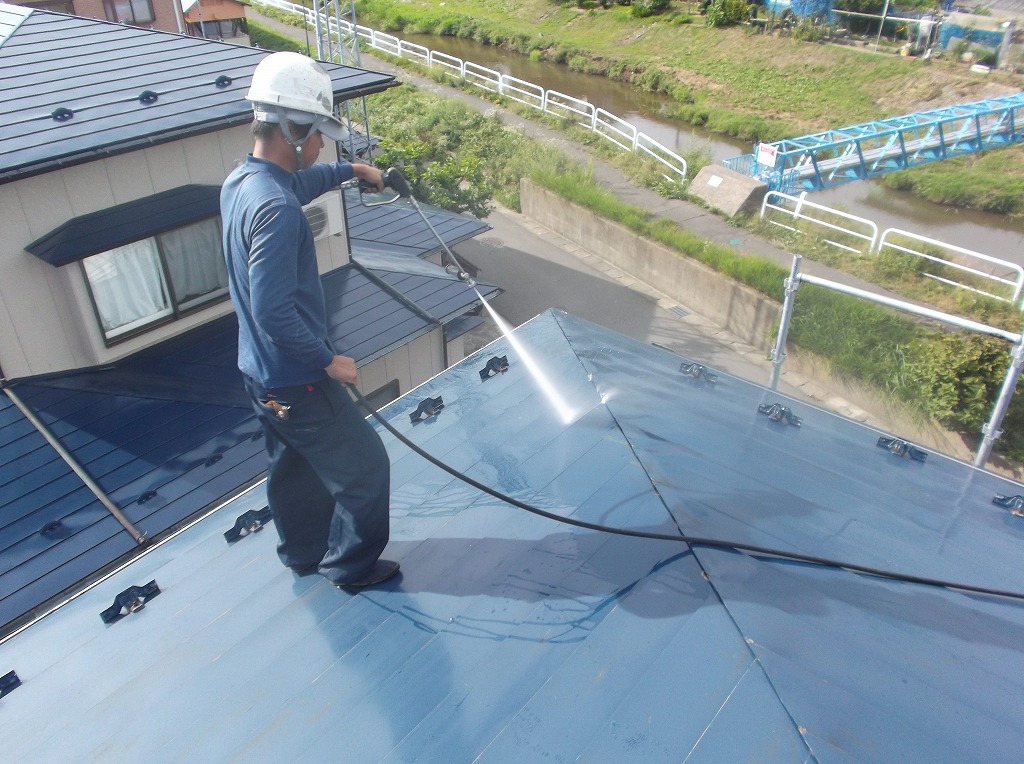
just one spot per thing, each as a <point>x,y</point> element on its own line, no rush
<point>990,234</point>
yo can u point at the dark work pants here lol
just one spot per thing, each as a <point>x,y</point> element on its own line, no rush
<point>328,483</point>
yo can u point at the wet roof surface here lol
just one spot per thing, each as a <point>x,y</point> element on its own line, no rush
<point>73,89</point>
<point>512,638</point>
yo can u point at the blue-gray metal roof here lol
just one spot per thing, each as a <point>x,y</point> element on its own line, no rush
<point>512,638</point>
<point>398,229</point>
<point>74,89</point>
<point>163,438</point>
<point>165,432</point>
<point>372,312</point>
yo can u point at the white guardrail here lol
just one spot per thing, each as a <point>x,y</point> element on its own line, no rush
<point>798,208</point>
<point>1000,273</point>
<point>603,123</point>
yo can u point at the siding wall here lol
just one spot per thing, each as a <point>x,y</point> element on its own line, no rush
<point>412,365</point>
<point>47,322</point>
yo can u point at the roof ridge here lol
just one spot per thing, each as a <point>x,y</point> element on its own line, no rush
<point>12,17</point>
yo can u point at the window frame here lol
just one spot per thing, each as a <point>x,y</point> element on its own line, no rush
<point>177,310</point>
<point>110,9</point>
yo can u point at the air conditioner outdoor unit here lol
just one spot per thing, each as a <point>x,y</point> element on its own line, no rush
<point>325,215</point>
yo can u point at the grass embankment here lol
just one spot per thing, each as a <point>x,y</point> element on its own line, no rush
<point>262,36</point>
<point>739,81</point>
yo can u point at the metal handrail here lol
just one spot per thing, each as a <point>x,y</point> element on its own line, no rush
<point>801,203</point>
<point>990,430</point>
<point>604,123</point>
<point>1016,284</point>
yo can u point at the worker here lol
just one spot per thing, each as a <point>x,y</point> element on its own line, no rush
<point>328,481</point>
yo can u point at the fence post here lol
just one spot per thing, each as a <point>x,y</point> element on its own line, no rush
<point>990,430</point>
<point>779,352</point>
<point>800,204</point>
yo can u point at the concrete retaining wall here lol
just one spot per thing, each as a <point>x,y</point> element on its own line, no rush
<point>739,310</point>
<point>748,315</point>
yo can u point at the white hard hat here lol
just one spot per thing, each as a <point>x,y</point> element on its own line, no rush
<point>294,87</point>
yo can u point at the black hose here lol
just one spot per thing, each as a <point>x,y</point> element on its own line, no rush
<point>691,540</point>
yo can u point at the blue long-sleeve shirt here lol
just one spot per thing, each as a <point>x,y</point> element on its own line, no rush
<point>272,270</point>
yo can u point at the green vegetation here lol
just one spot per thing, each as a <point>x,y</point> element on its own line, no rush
<point>454,156</point>
<point>992,181</point>
<point>741,81</point>
<point>264,37</point>
<point>723,13</point>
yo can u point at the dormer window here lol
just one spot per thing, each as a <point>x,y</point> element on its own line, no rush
<point>145,262</point>
<point>146,283</point>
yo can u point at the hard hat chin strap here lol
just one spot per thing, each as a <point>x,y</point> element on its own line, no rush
<point>286,131</point>
<point>279,116</point>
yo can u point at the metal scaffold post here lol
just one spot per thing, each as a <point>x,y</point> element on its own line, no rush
<point>779,352</point>
<point>991,430</point>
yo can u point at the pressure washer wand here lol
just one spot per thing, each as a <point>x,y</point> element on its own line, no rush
<point>394,178</point>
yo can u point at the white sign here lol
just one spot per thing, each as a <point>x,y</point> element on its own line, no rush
<point>766,154</point>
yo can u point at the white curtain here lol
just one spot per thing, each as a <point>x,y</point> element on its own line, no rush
<point>128,287</point>
<point>195,262</point>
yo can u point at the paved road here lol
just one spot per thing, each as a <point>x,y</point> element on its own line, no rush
<point>540,270</point>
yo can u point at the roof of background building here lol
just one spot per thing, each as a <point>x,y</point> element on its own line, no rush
<point>75,89</point>
<point>397,229</point>
<point>512,638</point>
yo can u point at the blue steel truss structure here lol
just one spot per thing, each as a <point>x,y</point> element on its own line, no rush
<point>827,159</point>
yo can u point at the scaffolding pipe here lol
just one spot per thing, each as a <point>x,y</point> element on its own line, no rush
<point>779,352</point>
<point>991,430</point>
<point>963,323</point>
<point>78,469</point>
<point>320,54</point>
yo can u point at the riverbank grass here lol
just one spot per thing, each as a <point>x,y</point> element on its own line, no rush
<point>739,81</point>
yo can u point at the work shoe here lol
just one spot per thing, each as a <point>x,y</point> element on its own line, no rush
<point>382,570</point>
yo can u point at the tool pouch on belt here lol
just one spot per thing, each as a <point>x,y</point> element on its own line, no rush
<point>301,408</point>
<point>280,410</point>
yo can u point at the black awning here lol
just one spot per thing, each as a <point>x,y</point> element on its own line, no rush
<point>132,221</point>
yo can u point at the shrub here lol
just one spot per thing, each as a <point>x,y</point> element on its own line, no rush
<point>723,13</point>
<point>954,376</point>
<point>644,8</point>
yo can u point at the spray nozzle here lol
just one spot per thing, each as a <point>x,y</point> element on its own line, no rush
<point>457,271</point>
<point>394,178</point>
